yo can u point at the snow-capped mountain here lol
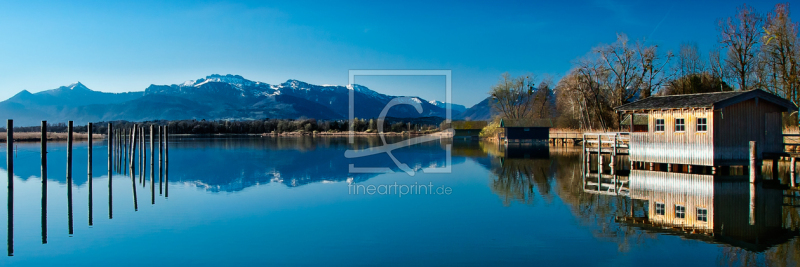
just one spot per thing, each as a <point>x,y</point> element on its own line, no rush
<point>455,107</point>
<point>212,97</point>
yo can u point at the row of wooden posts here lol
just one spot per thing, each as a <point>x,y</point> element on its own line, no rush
<point>124,147</point>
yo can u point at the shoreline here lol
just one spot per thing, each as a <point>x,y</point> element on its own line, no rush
<point>37,136</point>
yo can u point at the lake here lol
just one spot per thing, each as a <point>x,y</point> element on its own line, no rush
<point>298,201</point>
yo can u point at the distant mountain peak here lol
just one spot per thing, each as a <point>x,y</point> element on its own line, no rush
<point>77,86</point>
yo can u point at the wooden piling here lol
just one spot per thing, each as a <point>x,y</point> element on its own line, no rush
<point>160,163</point>
<point>111,141</point>
<point>152,169</point>
<point>753,159</point>
<point>10,168</point>
<point>132,157</point>
<point>89,171</point>
<point>44,181</point>
<point>69,175</point>
<point>166,161</point>
<point>141,156</point>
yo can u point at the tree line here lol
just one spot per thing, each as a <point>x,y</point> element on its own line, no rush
<point>755,51</point>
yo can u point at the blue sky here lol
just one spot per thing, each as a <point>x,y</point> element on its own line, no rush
<point>118,46</point>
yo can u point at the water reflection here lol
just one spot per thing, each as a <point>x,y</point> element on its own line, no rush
<point>618,208</point>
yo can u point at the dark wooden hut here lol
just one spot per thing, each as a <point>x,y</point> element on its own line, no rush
<point>467,130</point>
<point>525,131</point>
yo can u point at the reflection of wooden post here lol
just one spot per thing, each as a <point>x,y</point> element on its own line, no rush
<point>752,201</point>
<point>792,172</point>
<point>44,181</point>
<point>753,161</point>
<point>89,171</point>
<point>775,161</point>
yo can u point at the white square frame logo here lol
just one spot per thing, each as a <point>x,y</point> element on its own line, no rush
<point>387,148</point>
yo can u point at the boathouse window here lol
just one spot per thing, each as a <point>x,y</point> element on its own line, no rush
<point>680,125</point>
<point>660,208</point>
<point>702,124</point>
<point>659,125</point>
<point>702,215</point>
<point>680,212</point>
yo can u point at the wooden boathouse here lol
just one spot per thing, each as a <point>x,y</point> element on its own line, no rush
<point>706,130</point>
<point>467,130</point>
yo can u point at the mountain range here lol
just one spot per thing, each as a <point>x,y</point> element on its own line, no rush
<point>218,97</point>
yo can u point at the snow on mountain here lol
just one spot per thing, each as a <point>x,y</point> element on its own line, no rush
<point>454,107</point>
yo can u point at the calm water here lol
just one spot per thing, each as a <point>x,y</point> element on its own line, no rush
<point>293,201</point>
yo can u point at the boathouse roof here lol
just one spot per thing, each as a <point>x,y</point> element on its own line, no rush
<point>509,123</point>
<point>716,100</point>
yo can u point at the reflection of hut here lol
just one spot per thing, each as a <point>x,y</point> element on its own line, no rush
<point>709,129</point>
<point>467,130</point>
<point>526,151</point>
<point>697,204</point>
<point>521,131</point>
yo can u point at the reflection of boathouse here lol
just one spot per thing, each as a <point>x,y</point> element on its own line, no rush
<point>731,211</point>
<point>710,129</point>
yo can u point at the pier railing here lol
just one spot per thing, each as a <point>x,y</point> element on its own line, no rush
<point>611,143</point>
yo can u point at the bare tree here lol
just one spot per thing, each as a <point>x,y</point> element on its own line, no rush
<point>620,60</point>
<point>516,98</point>
<point>717,66</point>
<point>780,52</point>
<point>652,67</point>
<point>740,35</point>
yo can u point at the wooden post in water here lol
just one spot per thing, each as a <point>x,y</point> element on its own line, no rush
<point>10,168</point>
<point>753,159</point>
<point>152,169</point>
<point>141,156</point>
<point>166,161</point>
<point>111,141</point>
<point>133,152</point>
<point>160,163</point>
<point>131,156</point>
<point>89,171</point>
<point>69,175</point>
<point>44,181</point>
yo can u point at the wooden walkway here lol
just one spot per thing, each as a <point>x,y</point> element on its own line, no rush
<point>563,138</point>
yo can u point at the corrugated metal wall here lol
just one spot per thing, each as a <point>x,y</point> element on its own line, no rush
<point>669,146</point>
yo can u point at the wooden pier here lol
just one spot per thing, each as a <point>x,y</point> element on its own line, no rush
<point>615,143</point>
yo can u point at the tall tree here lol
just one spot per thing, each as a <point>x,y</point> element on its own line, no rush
<point>653,67</point>
<point>741,34</point>
<point>517,98</point>
<point>781,52</point>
